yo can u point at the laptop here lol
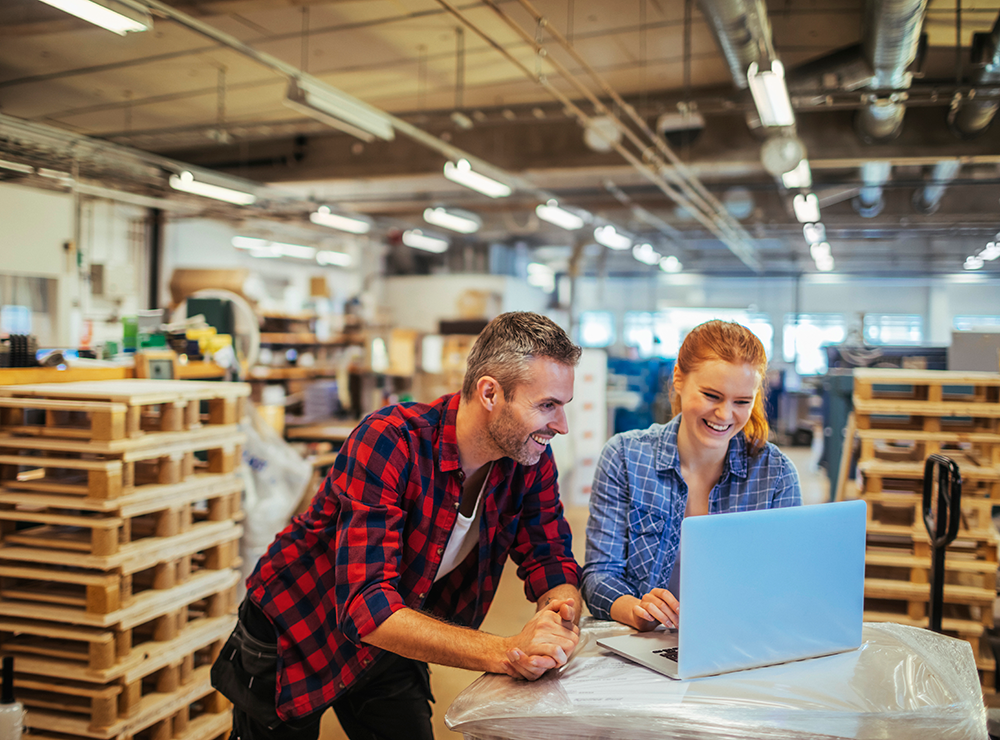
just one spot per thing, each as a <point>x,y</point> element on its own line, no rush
<point>760,588</point>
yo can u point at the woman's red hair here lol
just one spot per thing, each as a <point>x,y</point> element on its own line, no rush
<point>737,345</point>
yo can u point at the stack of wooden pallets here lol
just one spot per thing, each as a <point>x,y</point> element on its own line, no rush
<point>120,510</point>
<point>902,416</point>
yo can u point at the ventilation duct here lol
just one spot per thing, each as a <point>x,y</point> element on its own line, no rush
<point>974,115</point>
<point>870,200</point>
<point>742,32</point>
<point>891,37</point>
<point>928,198</point>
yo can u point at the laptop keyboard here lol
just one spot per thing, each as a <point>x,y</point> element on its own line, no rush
<point>669,653</point>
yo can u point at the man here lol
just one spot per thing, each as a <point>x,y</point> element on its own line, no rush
<point>397,560</point>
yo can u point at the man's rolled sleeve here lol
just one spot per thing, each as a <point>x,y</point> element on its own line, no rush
<point>369,525</point>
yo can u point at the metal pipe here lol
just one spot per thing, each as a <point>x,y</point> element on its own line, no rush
<point>927,200</point>
<point>742,32</point>
<point>972,116</point>
<point>870,200</point>
<point>889,44</point>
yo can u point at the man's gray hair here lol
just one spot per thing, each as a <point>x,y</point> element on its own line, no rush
<point>507,345</point>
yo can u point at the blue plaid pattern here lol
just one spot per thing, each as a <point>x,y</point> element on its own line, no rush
<point>372,540</point>
<point>638,500</point>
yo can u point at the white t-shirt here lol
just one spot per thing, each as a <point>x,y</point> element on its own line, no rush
<point>464,537</point>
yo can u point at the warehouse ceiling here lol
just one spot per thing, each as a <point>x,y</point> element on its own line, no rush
<point>524,90</point>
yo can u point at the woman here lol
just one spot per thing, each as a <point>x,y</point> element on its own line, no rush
<point>712,457</point>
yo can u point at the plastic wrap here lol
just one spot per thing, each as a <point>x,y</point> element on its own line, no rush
<point>903,683</point>
<point>275,477</point>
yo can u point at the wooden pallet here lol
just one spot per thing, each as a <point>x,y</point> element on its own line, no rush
<point>904,508</point>
<point>197,726</point>
<point>88,470</point>
<point>150,712</point>
<point>132,557</point>
<point>978,445</point>
<point>142,448</point>
<point>149,406</point>
<point>144,500</point>
<point>63,526</point>
<point>927,385</point>
<point>145,607</point>
<point>103,592</point>
<point>977,479</point>
<point>900,565</point>
<point>104,704</point>
<point>906,401</point>
<point>104,655</point>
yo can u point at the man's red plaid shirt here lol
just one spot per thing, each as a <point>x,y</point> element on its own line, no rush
<point>373,538</point>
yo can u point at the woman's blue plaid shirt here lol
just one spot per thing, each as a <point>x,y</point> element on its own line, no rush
<point>638,500</point>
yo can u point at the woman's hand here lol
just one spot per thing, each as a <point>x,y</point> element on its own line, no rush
<point>657,607</point>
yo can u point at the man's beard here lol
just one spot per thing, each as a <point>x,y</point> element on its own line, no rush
<point>510,439</point>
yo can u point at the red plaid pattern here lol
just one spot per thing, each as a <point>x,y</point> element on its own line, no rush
<point>372,541</point>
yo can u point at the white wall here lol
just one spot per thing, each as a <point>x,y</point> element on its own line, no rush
<point>421,301</point>
<point>207,244</point>
<point>35,226</point>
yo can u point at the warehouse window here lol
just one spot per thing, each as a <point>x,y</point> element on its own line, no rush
<point>971,323</point>
<point>805,334</point>
<point>660,334</point>
<point>640,332</point>
<point>597,329</point>
<point>893,328</point>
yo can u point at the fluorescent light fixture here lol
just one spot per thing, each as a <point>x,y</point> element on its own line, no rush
<point>265,248</point>
<point>825,264</point>
<point>329,257</point>
<point>814,233</point>
<point>463,222</point>
<point>25,169</point>
<point>186,183</point>
<point>806,207</point>
<point>990,252</point>
<point>799,177</point>
<point>323,216</point>
<point>114,16</point>
<point>646,254</point>
<point>462,173</point>
<point>551,212</point>
<point>419,240</point>
<point>248,242</point>
<point>819,251</point>
<point>54,174</point>
<point>671,264</point>
<point>973,263</point>
<point>609,237</point>
<point>461,120</point>
<point>770,94</point>
<point>296,251</point>
<point>339,110</point>
<point>541,276</point>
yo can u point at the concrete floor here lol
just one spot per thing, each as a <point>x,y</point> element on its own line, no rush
<point>511,610</point>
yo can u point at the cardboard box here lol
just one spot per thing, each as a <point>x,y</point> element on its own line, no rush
<point>404,352</point>
<point>478,304</point>
<point>184,282</point>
